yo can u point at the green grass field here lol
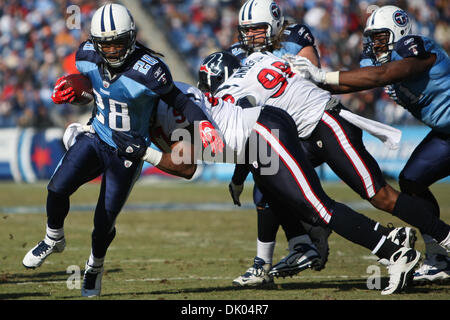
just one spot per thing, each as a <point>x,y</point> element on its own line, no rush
<point>182,254</point>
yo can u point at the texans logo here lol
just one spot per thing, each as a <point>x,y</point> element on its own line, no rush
<point>275,10</point>
<point>212,66</point>
<point>400,18</point>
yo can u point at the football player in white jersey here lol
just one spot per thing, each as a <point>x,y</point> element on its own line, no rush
<point>333,140</point>
<point>269,80</point>
<point>249,133</point>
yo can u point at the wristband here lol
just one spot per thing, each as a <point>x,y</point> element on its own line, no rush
<point>152,156</point>
<point>332,78</point>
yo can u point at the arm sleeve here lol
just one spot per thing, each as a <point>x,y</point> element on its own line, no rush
<point>240,173</point>
<point>181,102</point>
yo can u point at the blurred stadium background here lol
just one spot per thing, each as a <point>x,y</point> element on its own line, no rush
<point>38,40</point>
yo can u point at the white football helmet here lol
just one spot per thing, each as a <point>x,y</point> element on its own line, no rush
<point>259,13</point>
<point>393,23</point>
<point>113,25</point>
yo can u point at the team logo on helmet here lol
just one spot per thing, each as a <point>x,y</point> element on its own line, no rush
<point>212,65</point>
<point>275,11</point>
<point>400,18</point>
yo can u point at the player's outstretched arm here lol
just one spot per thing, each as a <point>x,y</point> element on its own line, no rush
<point>182,168</point>
<point>373,77</point>
<point>362,78</point>
<point>181,102</point>
<point>178,162</point>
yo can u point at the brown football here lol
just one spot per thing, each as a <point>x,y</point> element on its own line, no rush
<point>82,87</point>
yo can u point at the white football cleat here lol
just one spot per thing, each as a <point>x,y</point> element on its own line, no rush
<point>401,269</point>
<point>256,275</point>
<point>403,236</point>
<point>36,256</point>
<point>92,281</point>
<point>434,267</point>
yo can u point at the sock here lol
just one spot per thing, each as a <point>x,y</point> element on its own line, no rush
<point>411,210</point>
<point>384,230</point>
<point>55,234</point>
<point>95,262</point>
<point>264,250</point>
<point>385,248</point>
<point>360,230</point>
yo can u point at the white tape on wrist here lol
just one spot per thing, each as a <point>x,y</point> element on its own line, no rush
<point>152,156</point>
<point>332,78</point>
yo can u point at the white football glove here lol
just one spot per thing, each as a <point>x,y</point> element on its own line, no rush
<point>235,192</point>
<point>307,70</point>
<point>72,131</point>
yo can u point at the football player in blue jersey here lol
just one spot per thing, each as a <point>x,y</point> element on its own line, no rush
<point>128,80</point>
<point>262,28</point>
<point>415,72</point>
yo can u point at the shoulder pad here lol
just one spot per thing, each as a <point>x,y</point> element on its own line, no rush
<point>410,46</point>
<point>300,34</point>
<point>151,71</point>
<point>86,52</point>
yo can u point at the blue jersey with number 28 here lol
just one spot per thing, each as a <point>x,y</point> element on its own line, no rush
<point>127,101</point>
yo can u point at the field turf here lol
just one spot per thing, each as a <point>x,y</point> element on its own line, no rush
<point>183,241</point>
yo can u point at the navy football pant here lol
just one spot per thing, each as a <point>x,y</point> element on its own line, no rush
<point>429,163</point>
<point>297,185</point>
<point>88,158</point>
<point>338,143</point>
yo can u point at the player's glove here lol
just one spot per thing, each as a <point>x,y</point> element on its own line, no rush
<point>307,70</point>
<point>131,145</point>
<point>235,192</point>
<point>390,91</point>
<point>210,136</point>
<point>61,95</point>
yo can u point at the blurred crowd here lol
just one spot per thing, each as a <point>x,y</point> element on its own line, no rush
<point>198,27</point>
<point>38,40</point>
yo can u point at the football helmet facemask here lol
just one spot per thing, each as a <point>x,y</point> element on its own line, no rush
<point>215,69</point>
<point>384,27</point>
<point>113,34</point>
<point>260,22</point>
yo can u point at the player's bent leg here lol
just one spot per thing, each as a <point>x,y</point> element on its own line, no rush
<point>79,165</point>
<point>301,189</point>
